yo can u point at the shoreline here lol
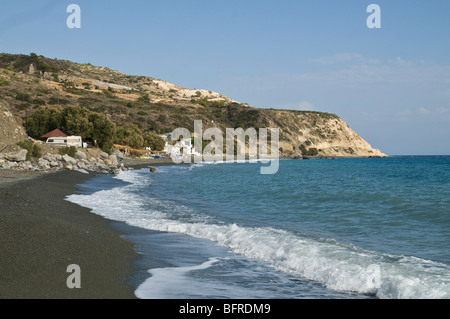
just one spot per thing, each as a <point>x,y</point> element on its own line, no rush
<point>41,234</point>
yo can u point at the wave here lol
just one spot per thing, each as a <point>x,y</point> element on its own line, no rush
<point>162,281</point>
<point>336,265</point>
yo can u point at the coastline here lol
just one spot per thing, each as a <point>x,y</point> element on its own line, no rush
<point>41,234</point>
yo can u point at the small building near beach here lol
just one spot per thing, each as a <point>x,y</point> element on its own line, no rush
<point>52,134</point>
<point>59,138</point>
<point>180,148</point>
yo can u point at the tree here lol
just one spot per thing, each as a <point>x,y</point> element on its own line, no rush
<point>75,121</point>
<point>154,141</point>
<point>44,120</point>
<point>130,135</point>
<point>103,130</point>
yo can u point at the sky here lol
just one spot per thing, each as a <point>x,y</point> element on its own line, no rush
<point>390,84</point>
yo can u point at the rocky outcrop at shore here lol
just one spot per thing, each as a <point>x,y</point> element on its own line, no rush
<point>82,162</point>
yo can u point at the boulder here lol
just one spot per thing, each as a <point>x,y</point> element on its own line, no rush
<point>14,153</point>
<point>81,155</point>
<point>81,164</point>
<point>153,170</point>
<point>49,157</point>
<point>113,160</point>
<point>54,164</point>
<point>104,155</point>
<point>68,159</point>
<point>43,163</point>
<point>9,165</point>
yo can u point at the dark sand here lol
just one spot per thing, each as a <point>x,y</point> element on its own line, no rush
<point>41,234</point>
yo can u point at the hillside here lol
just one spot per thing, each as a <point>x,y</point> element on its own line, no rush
<point>31,82</point>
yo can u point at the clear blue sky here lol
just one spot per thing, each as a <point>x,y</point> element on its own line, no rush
<point>391,85</point>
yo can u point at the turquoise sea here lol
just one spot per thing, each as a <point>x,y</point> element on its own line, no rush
<point>319,228</point>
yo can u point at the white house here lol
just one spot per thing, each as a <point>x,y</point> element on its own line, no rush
<point>180,148</point>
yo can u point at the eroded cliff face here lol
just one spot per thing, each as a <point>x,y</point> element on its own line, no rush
<point>11,131</point>
<point>318,134</point>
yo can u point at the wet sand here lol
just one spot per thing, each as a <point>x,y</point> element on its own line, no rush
<point>41,234</point>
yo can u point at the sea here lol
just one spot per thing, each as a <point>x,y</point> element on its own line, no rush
<point>345,228</point>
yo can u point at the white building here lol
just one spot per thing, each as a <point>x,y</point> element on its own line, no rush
<point>180,148</point>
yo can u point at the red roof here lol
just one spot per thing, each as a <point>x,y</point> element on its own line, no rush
<point>54,133</point>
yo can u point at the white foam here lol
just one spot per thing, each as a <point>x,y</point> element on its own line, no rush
<point>337,266</point>
<point>163,280</point>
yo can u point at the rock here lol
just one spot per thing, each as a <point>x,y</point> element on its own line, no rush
<point>49,157</point>
<point>14,153</point>
<point>81,164</point>
<point>43,162</point>
<point>81,155</point>
<point>54,164</point>
<point>68,167</point>
<point>104,155</point>
<point>11,131</point>
<point>8,165</point>
<point>113,160</point>
<point>81,170</point>
<point>107,162</point>
<point>68,159</point>
<point>153,170</point>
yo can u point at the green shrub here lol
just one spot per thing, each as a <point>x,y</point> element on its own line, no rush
<point>55,100</point>
<point>68,150</point>
<point>34,150</point>
<point>3,81</point>
<point>144,98</point>
<point>23,97</point>
<point>37,152</point>
<point>39,102</point>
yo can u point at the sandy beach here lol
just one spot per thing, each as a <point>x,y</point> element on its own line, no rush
<point>41,234</point>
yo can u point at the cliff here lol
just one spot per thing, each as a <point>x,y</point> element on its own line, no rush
<point>29,82</point>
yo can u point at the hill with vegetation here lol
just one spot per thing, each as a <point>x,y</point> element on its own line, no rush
<point>111,107</point>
